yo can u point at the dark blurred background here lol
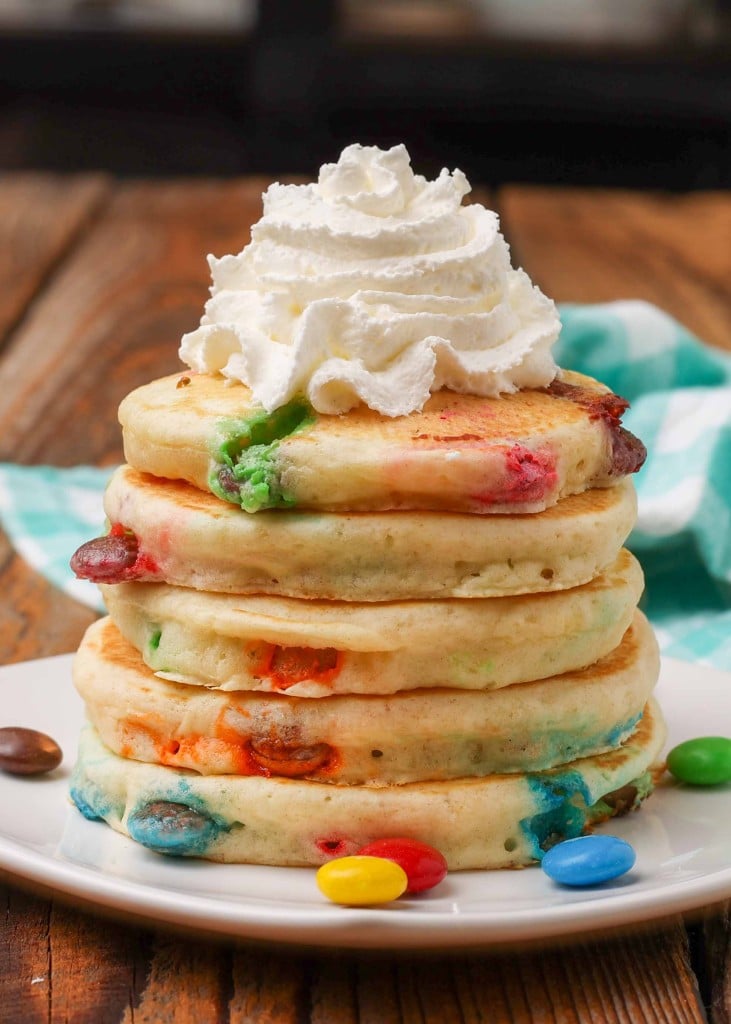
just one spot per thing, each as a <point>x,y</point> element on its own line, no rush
<point>632,93</point>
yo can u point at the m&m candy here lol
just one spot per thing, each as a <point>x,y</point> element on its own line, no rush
<point>705,761</point>
<point>27,752</point>
<point>361,881</point>
<point>425,867</point>
<point>588,860</point>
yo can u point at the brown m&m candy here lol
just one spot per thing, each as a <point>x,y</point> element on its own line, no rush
<point>28,752</point>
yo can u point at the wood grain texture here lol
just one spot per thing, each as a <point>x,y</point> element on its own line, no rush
<point>36,619</point>
<point>594,245</point>
<point>95,968</point>
<point>113,315</point>
<point>717,963</point>
<point>635,979</point>
<point>186,982</point>
<point>25,958</point>
<point>41,217</point>
<point>269,988</point>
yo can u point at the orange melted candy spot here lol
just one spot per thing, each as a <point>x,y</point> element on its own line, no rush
<point>202,750</point>
<point>286,666</point>
<point>274,754</point>
<point>134,733</point>
<point>240,754</point>
<point>290,759</point>
<point>193,751</point>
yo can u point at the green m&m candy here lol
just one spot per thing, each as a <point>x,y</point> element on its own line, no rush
<point>705,761</point>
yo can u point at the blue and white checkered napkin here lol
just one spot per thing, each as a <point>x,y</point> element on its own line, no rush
<point>681,408</point>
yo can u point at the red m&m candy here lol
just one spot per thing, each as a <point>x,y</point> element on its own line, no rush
<point>425,867</point>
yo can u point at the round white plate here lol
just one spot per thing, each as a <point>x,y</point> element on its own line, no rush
<point>681,836</point>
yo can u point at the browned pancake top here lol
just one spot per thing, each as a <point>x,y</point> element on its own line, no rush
<point>447,417</point>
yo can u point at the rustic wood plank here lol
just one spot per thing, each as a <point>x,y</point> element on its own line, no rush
<point>379,993</point>
<point>332,993</point>
<point>642,979</point>
<point>187,983</point>
<point>25,957</point>
<point>595,245</point>
<point>427,995</point>
<point>37,619</point>
<point>490,995</point>
<point>268,988</point>
<point>95,968</point>
<point>113,315</point>
<point>41,217</point>
<point>639,978</point>
<point>717,963</point>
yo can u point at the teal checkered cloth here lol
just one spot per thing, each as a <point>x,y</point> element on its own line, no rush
<point>47,513</point>
<point>680,392</point>
<point>681,408</point>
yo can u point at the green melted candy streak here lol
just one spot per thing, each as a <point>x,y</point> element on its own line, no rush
<point>245,469</point>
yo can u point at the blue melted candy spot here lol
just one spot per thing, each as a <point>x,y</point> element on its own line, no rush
<point>621,731</point>
<point>565,746</point>
<point>565,800</point>
<point>174,828</point>
<point>84,805</point>
<point>93,803</point>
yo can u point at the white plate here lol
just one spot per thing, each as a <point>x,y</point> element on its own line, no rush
<point>682,838</point>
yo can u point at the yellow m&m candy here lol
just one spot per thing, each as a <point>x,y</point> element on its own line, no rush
<point>361,881</point>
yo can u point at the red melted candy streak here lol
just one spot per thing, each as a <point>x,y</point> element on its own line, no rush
<point>332,847</point>
<point>114,558</point>
<point>530,474</point>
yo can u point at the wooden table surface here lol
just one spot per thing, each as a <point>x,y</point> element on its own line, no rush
<point>98,280</point>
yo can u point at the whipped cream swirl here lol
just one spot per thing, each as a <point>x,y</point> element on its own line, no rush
<point>374,285</point>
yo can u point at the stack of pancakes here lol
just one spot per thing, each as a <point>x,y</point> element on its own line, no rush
<point>328,629</point>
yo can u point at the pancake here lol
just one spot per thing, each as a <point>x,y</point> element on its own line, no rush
<point>494,822</point>
<point>318,648</point>
<point>171,532</point>
<point>521,452</point>
<point>412,736</point>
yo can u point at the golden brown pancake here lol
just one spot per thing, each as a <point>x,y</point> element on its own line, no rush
<point>174,533</point>
<point>521,452</point>
<point>412,736</point>
<point>493,822</point>
<point>320,648</point>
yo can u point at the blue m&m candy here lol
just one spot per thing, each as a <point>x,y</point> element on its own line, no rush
<point>588,860</point>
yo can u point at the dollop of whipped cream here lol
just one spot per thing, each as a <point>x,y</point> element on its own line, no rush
<point>374,285</point>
